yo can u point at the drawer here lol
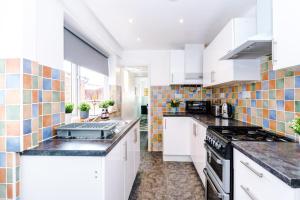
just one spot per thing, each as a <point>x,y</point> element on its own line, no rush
<point>254,182</point>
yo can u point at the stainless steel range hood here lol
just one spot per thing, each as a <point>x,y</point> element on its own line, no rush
<point>260,44</point>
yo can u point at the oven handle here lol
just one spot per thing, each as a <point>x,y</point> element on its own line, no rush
<point>213,154</point>
<point>220,195</point>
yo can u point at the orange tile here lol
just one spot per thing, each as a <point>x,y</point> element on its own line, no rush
<point>253,95</point>
<point>13,128</point>
<point>9,191</point>
<point>18,189</point>
<point>9,160</point>
<point>265,94</point>
<point>47,72</point>
<point>258,86</point>
<point>279,94</point>
<point>265,76</point>
<point>273,125</point>
<point>248,119</point>
<point>27,111</point>
<point>289,106</point>
<point>62,96</point>
<point>47,96</point>
<point>248,87</point>
<point>297,94</point>
<point>280,116</point>
<point>2,144</point>
<point>40,109</point>
<point>2,175</point>
<point>40,135</point>
<point>35,125</point>
<point>34,96</point>
<point>266,113</point>
<point>272,84</point>
<point>259,103</point>
<point>272,104</point>
<point>244,110</point>
<point>297,73</point>
<point>27,141</point>
<point>56,85</point>
<point>27,81</point>
<point>280,74</point>
<point>13,65</point>
<point>47,120</point>
<point>12,97</point>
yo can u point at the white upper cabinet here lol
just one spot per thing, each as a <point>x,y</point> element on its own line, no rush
<point>286,32</point>
<point>177,67</point>
<point>193,62</point>
<point>217,71</point>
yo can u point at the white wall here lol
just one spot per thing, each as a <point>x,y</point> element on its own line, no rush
<point>141,83</point>
<point>157,61</point>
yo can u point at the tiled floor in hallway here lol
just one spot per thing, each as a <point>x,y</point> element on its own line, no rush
<point>158,180</point>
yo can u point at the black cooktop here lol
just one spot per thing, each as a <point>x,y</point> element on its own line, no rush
<point>250,135</point>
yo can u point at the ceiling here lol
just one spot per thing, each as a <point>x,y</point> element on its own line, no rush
<point>156,22</point>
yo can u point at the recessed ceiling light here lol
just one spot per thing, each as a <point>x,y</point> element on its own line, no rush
<point>130,21</point>
<point>138,39</point>
<point>181,21</point>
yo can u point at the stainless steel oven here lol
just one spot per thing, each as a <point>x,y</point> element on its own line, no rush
<point>219,167</point>
<point>213,189</point>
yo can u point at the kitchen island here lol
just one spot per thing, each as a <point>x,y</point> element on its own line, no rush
<point>82,169</point>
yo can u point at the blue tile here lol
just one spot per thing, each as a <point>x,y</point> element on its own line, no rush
<point>40,96</point>
<point>13,144</point>
<point>280,104</point>
<point>272,75</point>
<point>249,111</point>
<point>56,119</point>
<point>47,133</point>
<point>265,85</point>
<point>47,84</point>
<point>272,114</point>
<point>2,101</point>
<point>2,159</point>
<point>244,88</point>
<point>26,66</point>
<point>62,106</point>
<point>265,123</point>
<point>253,103</point>
<point>258,94</point>
<point>55,74</point>
<point>12,81</point>
<point>27,126</point>
<point>297,81</point>
<point>35,110</point>
<point>289,94</point>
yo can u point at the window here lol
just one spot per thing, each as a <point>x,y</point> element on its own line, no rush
<point>85,85</point>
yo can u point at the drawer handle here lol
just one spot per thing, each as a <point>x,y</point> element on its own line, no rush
<point>212,184</point>
<point>260,175</point>
<point>247,191</point>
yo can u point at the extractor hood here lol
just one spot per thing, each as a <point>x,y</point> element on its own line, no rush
<point>260,44</point>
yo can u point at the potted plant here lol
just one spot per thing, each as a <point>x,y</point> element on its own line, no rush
<point>84,108</point>
<point>295,125</point>
<point>174,104</point>
<point>69,107</point>
<point>104,105</point>
<point>111,103</point>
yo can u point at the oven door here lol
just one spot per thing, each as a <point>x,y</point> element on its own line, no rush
<point>213,191</point>
<point>219,168</point>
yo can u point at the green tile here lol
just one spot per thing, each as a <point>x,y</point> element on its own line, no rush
<point>40,122</point>
<point>2,191</point>
<point>34,139</point>
<point>17,173</point>
<point>253,86</point>
<point>55,96</point>
<point>289,73</point>
<point>2,133</point>
<point>297,106</point>
<point>62,85</point>
<point>2,66</point>
<point>27,97</point>
<point>265,104</point>
<point>47,108</point>
<point>289,116</point>
<point>35,82</point>
<point>265,67</point>
<point>40,70</point>
<point>281,126</point>
<point>13,112</point>
<point>272,94</point>
<point>279,83</point>
<point>9,175</point>
<point>259,113</point>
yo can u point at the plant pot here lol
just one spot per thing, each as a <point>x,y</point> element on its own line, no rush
<point>175,109</point>
<point>68,118</point>
<point>84,114</point>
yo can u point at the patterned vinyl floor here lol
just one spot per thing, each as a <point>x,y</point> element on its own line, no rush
<point>158,180</point>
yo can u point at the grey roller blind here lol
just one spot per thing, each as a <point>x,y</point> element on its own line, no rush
<point>79,52</point>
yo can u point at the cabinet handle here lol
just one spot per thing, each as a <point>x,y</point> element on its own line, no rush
<point>212,184</point>
<point>247,191</point>
<point>125,154</point>
<point>260,175</point>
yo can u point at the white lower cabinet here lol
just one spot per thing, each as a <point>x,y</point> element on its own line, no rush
<point>83,177</point>
<point>253,182</point>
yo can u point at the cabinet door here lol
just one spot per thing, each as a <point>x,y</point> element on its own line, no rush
<point>177,66</point>
<point>207,66</point>
<point>201,151</point>
<point>176,136</point>
<point>286,17</point>
<point>193,142</point>
<point>129,163</point>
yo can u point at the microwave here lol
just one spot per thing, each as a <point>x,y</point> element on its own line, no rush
<point>197,107</point>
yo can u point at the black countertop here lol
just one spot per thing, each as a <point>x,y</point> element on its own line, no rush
<point>76,147</point>
<point>210,120</point>
<point>279,158</point>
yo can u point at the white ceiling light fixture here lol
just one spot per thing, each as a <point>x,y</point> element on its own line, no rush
<point>181,20</point>
<point>131,20</point>
<point>138,39</point>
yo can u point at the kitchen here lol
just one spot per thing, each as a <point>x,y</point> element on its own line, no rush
<point>110,100</point>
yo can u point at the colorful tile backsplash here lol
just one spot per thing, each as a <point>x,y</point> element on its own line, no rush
<point>31,106</point>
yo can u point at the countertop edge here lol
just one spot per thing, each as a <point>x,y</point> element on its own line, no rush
<point>294,183</point>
